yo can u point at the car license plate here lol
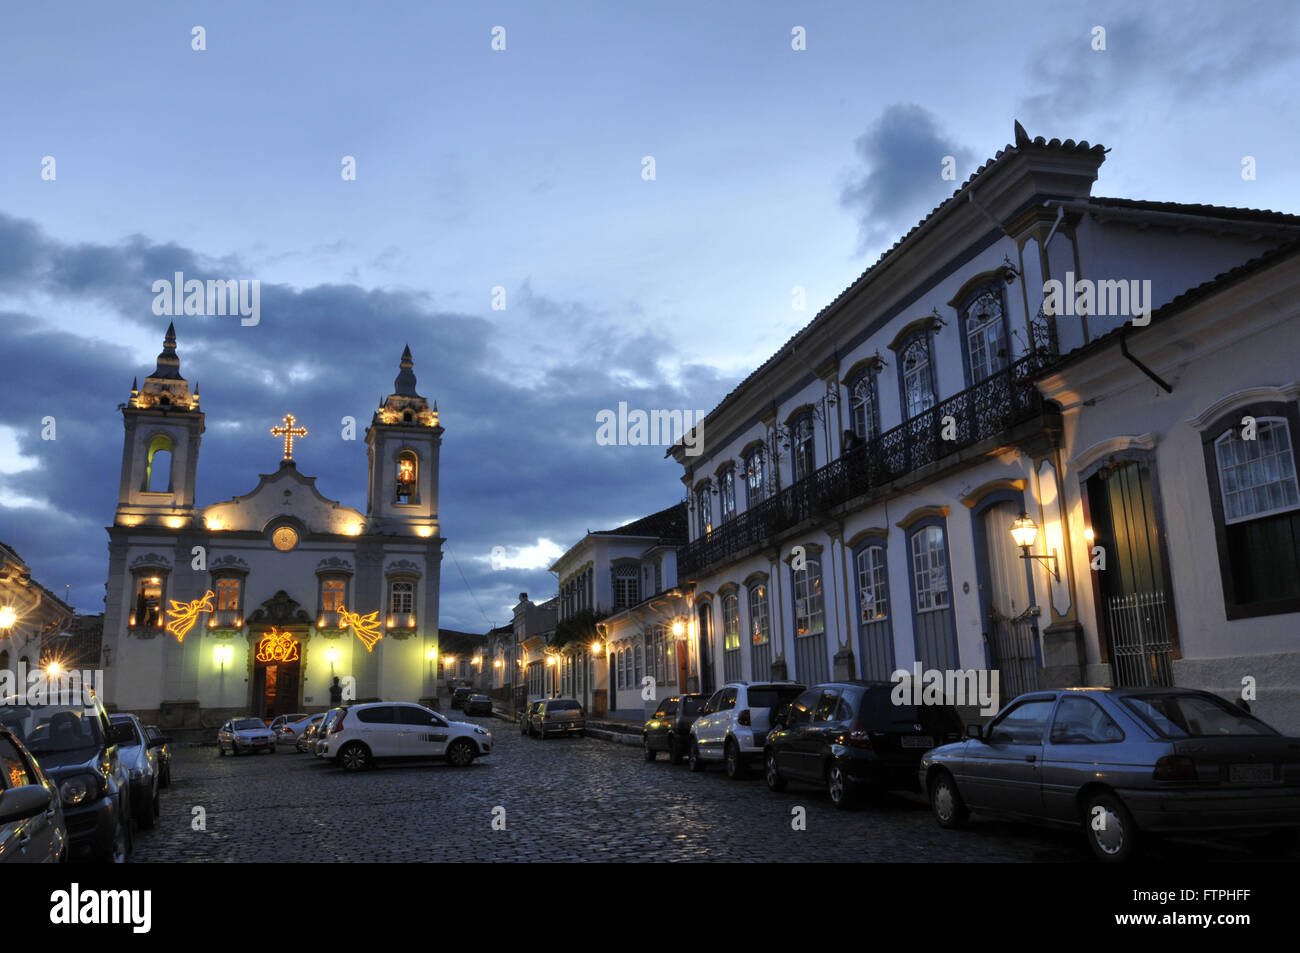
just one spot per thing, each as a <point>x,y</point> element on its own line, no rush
<point>1250,772</point>
<point>918,741</point>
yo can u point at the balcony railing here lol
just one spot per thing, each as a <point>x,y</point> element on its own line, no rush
<point>978,413</point>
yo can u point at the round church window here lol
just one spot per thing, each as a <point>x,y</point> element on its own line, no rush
<point>285,538</point>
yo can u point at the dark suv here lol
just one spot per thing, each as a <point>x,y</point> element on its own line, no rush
<point>669,728</point>
<point>78,748</point>
<point>460,695</point>
<point>850,736</point>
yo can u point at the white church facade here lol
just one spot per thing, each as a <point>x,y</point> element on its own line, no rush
<point>254,605</point>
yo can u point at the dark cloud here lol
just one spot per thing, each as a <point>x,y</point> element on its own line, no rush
<point>519,457</point>
<point>900,181</point>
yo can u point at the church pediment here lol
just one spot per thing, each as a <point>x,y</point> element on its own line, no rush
<point>280,609</point>
<point>285,493</point>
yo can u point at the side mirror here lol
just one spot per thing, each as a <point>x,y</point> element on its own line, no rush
<point>20,803</point>
<point>121,734</point>
<point>975,731</point>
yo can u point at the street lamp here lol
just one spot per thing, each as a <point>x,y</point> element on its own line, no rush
<point>8,616</point>
<point>1024,531</point>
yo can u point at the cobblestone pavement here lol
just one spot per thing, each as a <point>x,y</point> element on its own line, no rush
<point>565,799</point>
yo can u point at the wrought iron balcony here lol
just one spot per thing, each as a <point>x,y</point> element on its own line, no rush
<point>979,413</point>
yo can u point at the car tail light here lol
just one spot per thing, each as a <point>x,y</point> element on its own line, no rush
<point>338,725</point>
<point>858,736</point>
<point>743,717</point>
<point>1173,767</point>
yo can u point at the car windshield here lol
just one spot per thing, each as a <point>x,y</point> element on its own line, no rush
<point>135,732</point>
<point>247,724</point>
<point>765,696</point>
<point>692,706</point>
<point>49,728</point>
<point>1194,716</point>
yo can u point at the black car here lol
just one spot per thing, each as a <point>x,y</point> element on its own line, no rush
<point>460,695</point>
<point>477,704</point>
<point>77,748</point>
<point>850,736</point>
<point>669,728</point>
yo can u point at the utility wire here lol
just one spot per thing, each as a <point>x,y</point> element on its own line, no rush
<point>491,624</point>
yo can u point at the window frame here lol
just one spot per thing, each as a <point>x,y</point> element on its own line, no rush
<point>996,288</point>
<point>755,478</point>
<point>921,336</point>
<point>810,560</point>
<point>802,434</point>
<point>871,378</point>
<point>1234,606</point>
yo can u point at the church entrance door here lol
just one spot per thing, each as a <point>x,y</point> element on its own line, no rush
<point>277,675</point>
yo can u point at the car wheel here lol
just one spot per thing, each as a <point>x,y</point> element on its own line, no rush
<point>736,767</point>
<point>839,787</point>
<point>121,839</point>
<point>354,757</point>
<point>165,778</point>
<point>234,749</point>
<point>645,747</point>
<point>772,774</point>
<point>945,800</point>
<point>694,758</point>
<point>1110,829</point>
<point>221,750</point>
<point>461,753</point>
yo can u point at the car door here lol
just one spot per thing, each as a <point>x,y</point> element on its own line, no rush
<point>827,722</point>
<point>425,734</point>
<point>31,839</point>
<point>722,724</point>
<point>1085,744</point>
<point>789,754</point>
<point>706,726</point>
<point>1004,769</point>
<point>381,732</point>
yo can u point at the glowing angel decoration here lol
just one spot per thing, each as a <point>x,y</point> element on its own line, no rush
<point>183,615</point>
<point>365,626</point>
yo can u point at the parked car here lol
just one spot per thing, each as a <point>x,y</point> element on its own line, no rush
<point>77,747</point>
<point>283,726</point>
<point>850,737</point>
<point>141,761</point>
<point>375,731</point>
<point>669,728</point>
<point>1120,763</point>
<point>245,734</point>
<point>525,716</point>
<point>732,727</point>
<point>164,752</point>
<point>307,737</point>
<point>323,730</point>
<point>460,695</point>
<point>557,716</point>
<point>478,704</point>
<point>32,826</point>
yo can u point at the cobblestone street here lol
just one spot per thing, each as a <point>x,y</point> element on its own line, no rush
<point>565,800</point>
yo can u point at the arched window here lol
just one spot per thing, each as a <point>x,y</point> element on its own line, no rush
<point>803,456</point>
<point>985,329</point>
<point>917,379</point>
<point>809,607</point>
<point>930,569</point>
<point>864,415</point>
<point>408,473</point>
<point>727,493</point>
<point>873,585</point>
<point>755,478</point>
<point>703,510</point>
<point>158,465</point>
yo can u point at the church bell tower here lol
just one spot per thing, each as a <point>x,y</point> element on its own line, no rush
<point>160,451</point>
<point>403,442</point>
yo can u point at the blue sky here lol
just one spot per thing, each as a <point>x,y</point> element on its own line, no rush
<point>522,169</point>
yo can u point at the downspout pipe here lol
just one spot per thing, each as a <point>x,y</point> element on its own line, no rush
<point>1123,349</point>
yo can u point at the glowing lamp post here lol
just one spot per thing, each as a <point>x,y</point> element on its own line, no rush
<point>1024,531</point>
<point>8,617</point>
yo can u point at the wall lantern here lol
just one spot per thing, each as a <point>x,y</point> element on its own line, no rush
<point>1024,532</point>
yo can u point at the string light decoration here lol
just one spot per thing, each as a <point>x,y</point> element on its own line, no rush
<point>288,432</point>
<point>366,626</point>
<point>277,646</point>
<point>183,615</point>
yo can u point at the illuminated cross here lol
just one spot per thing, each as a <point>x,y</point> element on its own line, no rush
<point>288,432</point>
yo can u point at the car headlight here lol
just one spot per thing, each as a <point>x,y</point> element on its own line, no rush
<point>78,790</point>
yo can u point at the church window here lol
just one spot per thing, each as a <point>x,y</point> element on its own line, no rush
<point>403,598</point>
<point>407,476</point>
<point>158,465</point>
<point>331,595</point>
<point>227,595</point>
<point>148,602</point>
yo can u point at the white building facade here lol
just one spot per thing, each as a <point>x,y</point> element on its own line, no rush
<point>255,604</point>
<point>850,513</point>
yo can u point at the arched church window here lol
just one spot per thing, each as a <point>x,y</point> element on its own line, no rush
<point>148,606</point>
<point>158,465</point>
<point>228,595</point>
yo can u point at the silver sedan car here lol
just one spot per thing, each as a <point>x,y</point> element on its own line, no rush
<point>1117,762</point>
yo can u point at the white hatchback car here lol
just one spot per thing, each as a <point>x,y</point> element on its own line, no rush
<point>734,723</point>
<point>360,735</point>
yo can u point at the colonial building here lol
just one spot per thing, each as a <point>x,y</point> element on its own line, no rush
<point>621,616</point>
<point>254,604</point>
<point>30,616</point>
<point>851,510</point>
